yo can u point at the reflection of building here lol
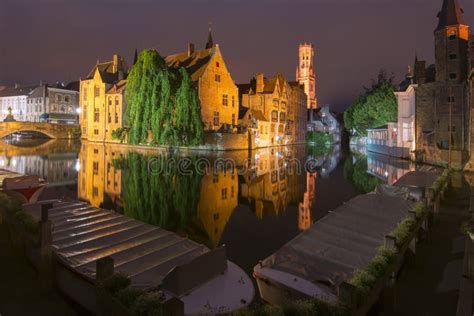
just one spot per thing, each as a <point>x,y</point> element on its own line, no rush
<point>56,169</point>
<point>216,88</point>
<point>387,169</point>
<point>305,219</point>
<point>102,100</point>
<point>266,185</point>
<point>218,199</point>
<point>97,177</point>
<point>305,74</point>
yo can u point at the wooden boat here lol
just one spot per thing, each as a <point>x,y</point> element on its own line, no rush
<point>26,188</point>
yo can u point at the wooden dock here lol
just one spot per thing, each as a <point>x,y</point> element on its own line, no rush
<point>151,257</point>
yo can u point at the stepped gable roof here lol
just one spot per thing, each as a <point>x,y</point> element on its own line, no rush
<point>195,63</point>
<point>451,14</point>
<point>106,71</point>
<point>119,87</point>
<point>12,91</point>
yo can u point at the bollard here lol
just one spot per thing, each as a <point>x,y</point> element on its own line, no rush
<point>390,242</point>
<point>104,268</point>
<point>347,294</point>
<point>45,231</point>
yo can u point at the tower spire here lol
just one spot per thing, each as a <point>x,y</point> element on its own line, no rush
<point>451,14</point>
<point>135,57</point>
<point>210,42</point>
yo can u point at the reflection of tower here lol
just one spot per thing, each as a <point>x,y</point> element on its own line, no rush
<point>304,216</point>
<point>305,73</point>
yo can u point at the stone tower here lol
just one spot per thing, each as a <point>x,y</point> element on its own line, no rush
<point>451,44</point>
<point>305,73</point>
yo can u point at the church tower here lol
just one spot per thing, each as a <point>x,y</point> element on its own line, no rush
<point>451,44</point>
<point>305,73</point>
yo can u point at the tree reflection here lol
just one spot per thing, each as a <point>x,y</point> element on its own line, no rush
<point>355,170</point>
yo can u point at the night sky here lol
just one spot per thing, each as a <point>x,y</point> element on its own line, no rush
<point>60,40</point>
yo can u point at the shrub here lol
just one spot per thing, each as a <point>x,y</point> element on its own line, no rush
<point>403,231</point>
<point>120,133</point>
<point>323,139</point>
<point>440,182</point>
<point>420,209</point>
<point>148,304</point>
<point>115,283</point>
<point>128,296</point>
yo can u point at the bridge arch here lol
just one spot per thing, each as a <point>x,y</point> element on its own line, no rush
<point>53,131</point>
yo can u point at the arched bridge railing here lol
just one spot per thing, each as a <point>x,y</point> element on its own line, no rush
<point>54,131</point>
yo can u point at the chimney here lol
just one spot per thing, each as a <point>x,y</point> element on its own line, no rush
<point>115,63</point>
<point>260,84</point>
<point>16,85</point>
<point>190,49</point>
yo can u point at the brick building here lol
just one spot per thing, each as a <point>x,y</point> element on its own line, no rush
<point>217,90</point>
<point>102,100</point>
<point>442,109</point>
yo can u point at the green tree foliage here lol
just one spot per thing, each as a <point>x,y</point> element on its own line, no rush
<point>376,107</point>
<point>164,101</point>
<point>189,126</point>
<point>355,170</point>
<point>167,197</point>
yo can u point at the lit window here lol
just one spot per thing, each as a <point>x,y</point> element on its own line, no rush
<point>224,99</point>
<point>217,78</point>
<point>96,92</point>
<point>217,64</point>
<point>233,101</point>
<point>116,101</point>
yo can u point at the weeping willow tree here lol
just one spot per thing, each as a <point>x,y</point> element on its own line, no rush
<point>189,126</point>
<point>142,94</point>
<point>164,101</point>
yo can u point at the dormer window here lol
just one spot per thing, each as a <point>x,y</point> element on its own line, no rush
<point>217,64</point>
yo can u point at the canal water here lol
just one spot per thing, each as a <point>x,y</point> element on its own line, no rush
<point>251,202</point>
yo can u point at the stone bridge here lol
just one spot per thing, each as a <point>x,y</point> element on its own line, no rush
<point>54,131</point>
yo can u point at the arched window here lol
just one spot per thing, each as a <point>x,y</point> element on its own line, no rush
<point>116,100</point>
<point>110,101</point>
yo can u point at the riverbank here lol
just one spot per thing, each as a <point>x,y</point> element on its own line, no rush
<point>21,292</point>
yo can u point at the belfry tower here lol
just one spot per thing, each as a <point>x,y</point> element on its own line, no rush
<point>451,44</point>
<point>305,73</point>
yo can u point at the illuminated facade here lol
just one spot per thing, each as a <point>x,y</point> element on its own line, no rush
<point>217,90</point>
<point>305,73</point>
<point>102,100</point>
<point>274,110</point>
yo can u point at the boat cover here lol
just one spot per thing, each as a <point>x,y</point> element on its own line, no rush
<point>83,234</point>
<point>343,241</point>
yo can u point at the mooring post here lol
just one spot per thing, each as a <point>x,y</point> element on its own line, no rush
<point>390,242</point>
<point>45,231</point>
<point>347,294</point>
<point>104,268</point>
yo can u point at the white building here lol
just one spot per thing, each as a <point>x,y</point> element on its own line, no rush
<point>41,103</point>
<point>398,138</point>
<point>14,99</point>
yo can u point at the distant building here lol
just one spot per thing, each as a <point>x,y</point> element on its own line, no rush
<point>217,90</point>
<point>53,104</point>
<point>324,120</point>
<point>305,74</point>
<point>102,100</point>
<point>13,100</point>
<point>40,103</point>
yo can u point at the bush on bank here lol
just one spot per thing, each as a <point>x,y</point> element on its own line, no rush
<point>319,138</point>
<point>440,182</point>
<point>138,302</point>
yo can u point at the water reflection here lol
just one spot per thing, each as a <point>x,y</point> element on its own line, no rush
<point>254,206</point>
<point>53,160</point>
<point>200,204</point>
